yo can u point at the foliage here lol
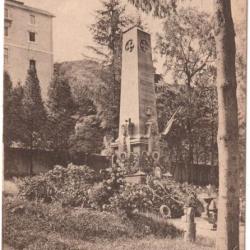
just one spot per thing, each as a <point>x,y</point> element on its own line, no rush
<point>157,8</point>
<point>83,100</point>
<point>150,224</point>
<point>79,186</point>
<point>68,186</point>
<point>149,198</point>
<point>200,116</point>
<point>7,109</point>
<point>131,198</point>
<point>34,114</point>
<point>188,47</point>
<point>88,136</point>
<point>16,125</point>
<point>112,182</point>
<point>60,111</point>
<point>81,123</point>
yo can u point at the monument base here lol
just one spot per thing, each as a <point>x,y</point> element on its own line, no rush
<point>136,146</point>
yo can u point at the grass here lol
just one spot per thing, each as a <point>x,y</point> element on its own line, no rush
<point>31,225</point>
<point>56,243</point>
<point>35,226</point>
<point>148,243</point>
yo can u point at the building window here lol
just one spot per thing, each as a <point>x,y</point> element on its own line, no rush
<point>32,36</point>
<point>6,31</point>
<point>6,55</point>
<point>6,12</point>
<point>32,63</point>
<point>32,19</point>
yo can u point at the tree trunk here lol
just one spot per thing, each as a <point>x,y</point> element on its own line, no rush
<point>31,155</point>
<point>227,138</point>
<point>190,176</point>
<point>211,173</point>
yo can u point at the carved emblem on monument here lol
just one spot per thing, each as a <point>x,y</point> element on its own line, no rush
<point>144,45</point>
<point>129,46</point>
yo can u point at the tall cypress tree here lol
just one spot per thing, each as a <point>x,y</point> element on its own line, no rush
<point>34,114</point>
<point>61,109</point>
<point>7,113</point>
<point>17,118</point>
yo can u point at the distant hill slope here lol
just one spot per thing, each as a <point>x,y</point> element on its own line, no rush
<point>83,72</point>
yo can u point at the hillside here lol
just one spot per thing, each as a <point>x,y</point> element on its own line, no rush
<point>83,72</point>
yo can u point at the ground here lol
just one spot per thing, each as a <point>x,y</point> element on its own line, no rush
<point>205,237</point>
<point>203,229</point>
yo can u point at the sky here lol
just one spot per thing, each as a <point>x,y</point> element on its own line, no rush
<point>71,35</point>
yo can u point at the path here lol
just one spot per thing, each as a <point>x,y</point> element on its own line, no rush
<point>203,228</point>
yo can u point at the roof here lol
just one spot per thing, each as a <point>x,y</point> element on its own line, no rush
<point>21,5</point>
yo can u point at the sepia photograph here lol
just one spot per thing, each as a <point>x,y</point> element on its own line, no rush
<point>124,124</point>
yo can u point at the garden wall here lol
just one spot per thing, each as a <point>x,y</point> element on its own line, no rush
<point>203,174</point>
<point>17,161</point>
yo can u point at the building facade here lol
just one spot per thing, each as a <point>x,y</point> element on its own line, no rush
<point>28,41</point>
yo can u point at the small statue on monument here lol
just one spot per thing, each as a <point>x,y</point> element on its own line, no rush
<point>151,133</point>
<point>126,131</point>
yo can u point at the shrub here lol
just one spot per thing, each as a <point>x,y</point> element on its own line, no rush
<point>113,181</point>
<point>150,197</point>
<point>132,197</point>
<point>99,196</point>
<point>76,186</point>
<point>66,185</point>
<point>150,224</point>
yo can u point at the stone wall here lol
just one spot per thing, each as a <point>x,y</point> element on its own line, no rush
<point>17,161</point>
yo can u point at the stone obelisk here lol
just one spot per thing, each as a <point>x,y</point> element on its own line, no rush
<point>138,128</point>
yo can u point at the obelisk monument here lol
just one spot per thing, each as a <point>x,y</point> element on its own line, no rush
<point>138,128</point>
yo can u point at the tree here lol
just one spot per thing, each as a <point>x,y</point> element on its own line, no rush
<point>17,123</point>
<point>34,114</point>
<point>7,110</point>
<point>227,137</point>
<point>228,209</point>
<point>88,135</point>
<point>107,33</point>
<point>61,109</point>
<point>188,47</point>
<point>201,113</point>
<point>83,100</point>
